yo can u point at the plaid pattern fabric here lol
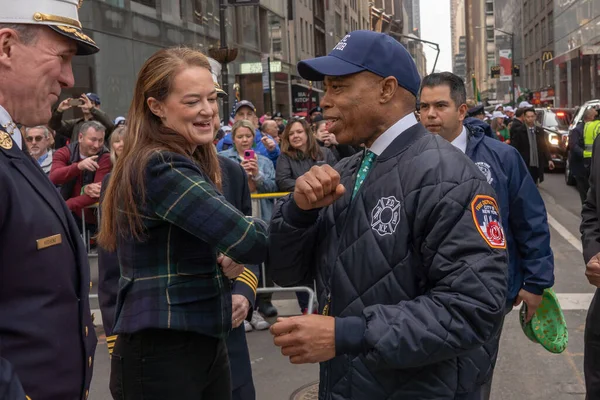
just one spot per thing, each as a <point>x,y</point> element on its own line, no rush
<point>171,280</point>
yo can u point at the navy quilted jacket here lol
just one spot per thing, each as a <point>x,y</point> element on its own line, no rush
<point>413,270</point>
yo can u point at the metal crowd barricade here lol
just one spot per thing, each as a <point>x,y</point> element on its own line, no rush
<point>84,234</point>
<point>264,289</point>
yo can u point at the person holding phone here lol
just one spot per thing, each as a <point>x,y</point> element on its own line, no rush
<point>261,179</point>
<point>67,131</point>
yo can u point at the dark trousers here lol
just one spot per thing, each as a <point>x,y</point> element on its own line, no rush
<point>494,347</point>
<point>583,185</point>
<point>264,297</point>
<point>158,364</point>
<point>535,174</point>
<point>591,354</point>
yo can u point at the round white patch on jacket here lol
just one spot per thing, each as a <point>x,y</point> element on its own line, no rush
<point>486,170</point>
<point>386,216</point>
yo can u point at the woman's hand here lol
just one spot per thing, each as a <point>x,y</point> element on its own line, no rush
<point>251,167</point>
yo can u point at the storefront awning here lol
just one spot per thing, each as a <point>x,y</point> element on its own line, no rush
<point>564,57</point>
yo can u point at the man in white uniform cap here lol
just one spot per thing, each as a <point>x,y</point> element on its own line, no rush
<point>47,339</point>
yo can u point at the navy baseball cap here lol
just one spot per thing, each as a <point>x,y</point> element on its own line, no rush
<point>360,51</point>
<point>94,98</point>
<point>244,103</point>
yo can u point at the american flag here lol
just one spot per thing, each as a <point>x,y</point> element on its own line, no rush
<point>232,114</point>
<point>236,98</point>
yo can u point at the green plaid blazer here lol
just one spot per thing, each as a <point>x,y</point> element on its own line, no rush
<point>171,279</point>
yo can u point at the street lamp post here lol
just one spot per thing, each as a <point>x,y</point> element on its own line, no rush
<point>224,55</point>
<point>417,39</point>
<point>512,63</point>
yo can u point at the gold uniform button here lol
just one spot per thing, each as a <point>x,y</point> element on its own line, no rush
<point>90,361</point>
<point>86,331</point>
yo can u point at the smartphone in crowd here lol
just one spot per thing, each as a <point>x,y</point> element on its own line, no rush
<point>249,155</point>
<point>75,102</point>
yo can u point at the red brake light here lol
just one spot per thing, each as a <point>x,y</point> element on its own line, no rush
<point>560,114</point>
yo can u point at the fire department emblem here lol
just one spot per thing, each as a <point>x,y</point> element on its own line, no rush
<point>486,216</point>
<point>386,216</point>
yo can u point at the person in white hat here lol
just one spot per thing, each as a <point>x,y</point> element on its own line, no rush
<point>46,332</point>
<point>499,127</point>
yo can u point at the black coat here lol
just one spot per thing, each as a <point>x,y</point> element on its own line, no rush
<point>576,146</point>
<point>237,193</point>
<point>519,139</point>
<point>46,333</point>
<point>288,169</point>
<point>410,272</point>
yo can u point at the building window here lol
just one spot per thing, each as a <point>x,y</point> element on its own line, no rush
<point>346,14</point>
<point>537,42</point>
<point>301,34</point>
<point>338,25</point>
<point>543,27</point>
<point>550,27</point>
<point>526,50</point>
<point>531,41</point>
<point>489,33</point>
<point>148,3</point>
<point>311,42</point>
<point>307,36</point>
<point>489,8</point>
<point>525,12</point>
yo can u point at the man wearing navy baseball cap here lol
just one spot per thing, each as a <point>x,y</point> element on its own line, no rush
<point>404,240</point>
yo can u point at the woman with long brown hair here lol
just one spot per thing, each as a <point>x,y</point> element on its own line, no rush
<point>176,238</point>
<point>299,153</point>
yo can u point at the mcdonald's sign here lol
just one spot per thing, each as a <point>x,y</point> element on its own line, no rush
<point>547,56</point>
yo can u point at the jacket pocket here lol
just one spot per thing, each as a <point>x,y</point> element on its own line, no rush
<point>186,290</point>
<point>200,266</point>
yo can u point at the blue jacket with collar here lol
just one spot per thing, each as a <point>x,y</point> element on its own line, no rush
<point>531,262</point>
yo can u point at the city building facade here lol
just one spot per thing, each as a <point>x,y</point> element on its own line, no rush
<point>576,58</point>
<point>538,45</point>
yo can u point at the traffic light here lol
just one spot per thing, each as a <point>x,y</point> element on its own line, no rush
<point>516,70</point>
<point>495,71</point>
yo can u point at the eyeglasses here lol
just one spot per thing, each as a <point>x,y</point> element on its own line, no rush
<point>35,138</point>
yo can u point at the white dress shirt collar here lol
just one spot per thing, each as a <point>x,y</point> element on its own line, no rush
<point>8,125</point>
<point>461,140</point>
<point>387,137</point>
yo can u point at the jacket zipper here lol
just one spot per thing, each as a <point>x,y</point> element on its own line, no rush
<point>327,307</point>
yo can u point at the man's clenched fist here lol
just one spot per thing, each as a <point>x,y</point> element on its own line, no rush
<point>318,188</point>
<point>592,270</point>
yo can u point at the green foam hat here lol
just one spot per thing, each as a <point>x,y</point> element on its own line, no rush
<point>548,326</point>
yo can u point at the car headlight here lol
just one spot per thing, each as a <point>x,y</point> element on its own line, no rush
<point>553,139</point>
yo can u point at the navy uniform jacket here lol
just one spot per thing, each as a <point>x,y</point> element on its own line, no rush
<point>235,190</point>
<point>47,339</point>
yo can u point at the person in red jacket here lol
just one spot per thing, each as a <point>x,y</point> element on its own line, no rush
<point>80,164</point>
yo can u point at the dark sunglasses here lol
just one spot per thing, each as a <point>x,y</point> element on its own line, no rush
<point>35,138</point>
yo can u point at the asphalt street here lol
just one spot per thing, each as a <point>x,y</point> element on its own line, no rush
<point>524,369</point>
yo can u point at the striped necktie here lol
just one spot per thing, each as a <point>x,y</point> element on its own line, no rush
<point>365,166</point>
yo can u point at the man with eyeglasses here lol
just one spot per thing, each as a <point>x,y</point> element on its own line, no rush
<point>38,143</point>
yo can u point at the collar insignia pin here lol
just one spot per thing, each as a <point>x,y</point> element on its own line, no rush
<point>5,141</point>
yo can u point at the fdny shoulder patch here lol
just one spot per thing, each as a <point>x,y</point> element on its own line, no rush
<point>486,216</point>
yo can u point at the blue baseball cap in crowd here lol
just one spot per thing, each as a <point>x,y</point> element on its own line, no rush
<point>360,51</point>
<point>94,98</point>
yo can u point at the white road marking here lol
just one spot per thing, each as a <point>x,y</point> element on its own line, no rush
<point>575,301</point>
<point>564,232</point>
